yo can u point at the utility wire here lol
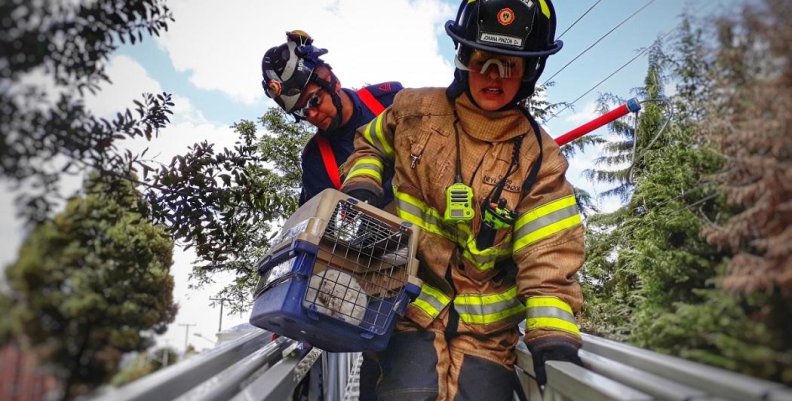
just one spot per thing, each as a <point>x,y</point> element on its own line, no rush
<point>663,37</point>
<point>598,40</point>
<point>646,49</point>
<point>578,19</point>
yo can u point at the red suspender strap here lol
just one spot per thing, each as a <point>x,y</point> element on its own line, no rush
<point>329,160</point>
<point>370,101</point>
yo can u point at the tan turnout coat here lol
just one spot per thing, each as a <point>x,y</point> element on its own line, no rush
<point>416,136</point>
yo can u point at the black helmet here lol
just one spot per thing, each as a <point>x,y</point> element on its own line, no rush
<point>522,28</point>
<point>288,68</point>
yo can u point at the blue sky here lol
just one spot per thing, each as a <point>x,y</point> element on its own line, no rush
<point>210,60</point>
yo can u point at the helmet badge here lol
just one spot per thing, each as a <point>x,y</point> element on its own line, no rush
<point>505,16</point>
<point>274,87</point>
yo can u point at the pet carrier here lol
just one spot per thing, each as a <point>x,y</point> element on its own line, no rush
<point>337,275</point>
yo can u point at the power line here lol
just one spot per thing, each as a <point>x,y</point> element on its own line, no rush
<point>599,40</point>
<point>646,49</point>
<point>578,19</point>
<point>663,37</point>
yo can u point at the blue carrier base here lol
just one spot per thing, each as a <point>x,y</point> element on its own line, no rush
<point>280,309</point>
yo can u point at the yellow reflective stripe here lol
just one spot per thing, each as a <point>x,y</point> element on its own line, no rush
<point>387,148</point>
<point>545,8</point>
<point>369,160</point>
<point>431,300</point>
<point>544,210</point>
<point>484,262</point>
<point>545,300</point>
<point>366,171</point>
<point>551,323</point>
<point>488,308</point>
<point>548,231</point>
<point>550,313</point>
<point>378,138</point>
<point>545,221</point>
<point>478,299</point>
<point>367,166</point>
<point>426,307</point>
<point>493,317</point>
<point>486,259</point>
<point>415,211</point>
<point>435,293</point>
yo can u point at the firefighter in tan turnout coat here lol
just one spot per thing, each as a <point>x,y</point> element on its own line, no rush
<point>502,233</point>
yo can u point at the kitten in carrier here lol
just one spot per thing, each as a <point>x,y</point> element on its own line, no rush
<point>337,294</point>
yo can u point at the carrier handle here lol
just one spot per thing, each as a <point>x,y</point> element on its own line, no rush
<point>268,262</point>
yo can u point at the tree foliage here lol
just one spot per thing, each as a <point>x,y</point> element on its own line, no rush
<point>90,285</point>
<point>227,204</point>
<point>751,126</point>
<point>51,53</point>
<point>145,363</point>
<point>652,274</point>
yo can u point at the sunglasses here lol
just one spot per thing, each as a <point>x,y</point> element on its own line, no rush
<point>313,102</point>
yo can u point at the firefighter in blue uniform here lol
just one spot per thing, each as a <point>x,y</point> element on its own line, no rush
<point>306,87</point>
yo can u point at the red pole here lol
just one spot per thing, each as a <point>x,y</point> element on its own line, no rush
<point>632,105</point>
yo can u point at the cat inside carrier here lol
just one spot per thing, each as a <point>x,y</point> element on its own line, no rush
<point>338,275</point>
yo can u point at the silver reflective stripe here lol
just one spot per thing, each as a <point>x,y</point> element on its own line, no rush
<point>547,220</point>
<point>370,166</point>
<point>372,134</point>
<point>487,309</point>
<point>426,220</point>
<point>436,303</point>
<point>549,311</point>
<point>291,65</point>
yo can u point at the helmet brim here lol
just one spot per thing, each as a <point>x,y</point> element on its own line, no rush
<point>555,48</point>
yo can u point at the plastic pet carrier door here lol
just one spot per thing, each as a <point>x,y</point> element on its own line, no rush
<point>337,275</point>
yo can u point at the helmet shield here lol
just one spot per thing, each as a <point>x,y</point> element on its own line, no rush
<point>288,68</point>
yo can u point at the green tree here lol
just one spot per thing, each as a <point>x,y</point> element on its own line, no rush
<point>651,276</point>
<point>90,285</point>
<point>749,124</point>
<point>51,53</point>
<point>228,204</point>
<point>610,281</point>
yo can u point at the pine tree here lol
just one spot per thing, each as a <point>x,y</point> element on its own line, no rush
<point>651,275</point>
<point>609,280</point>
<point>749,123</point>
<point>91,285</point>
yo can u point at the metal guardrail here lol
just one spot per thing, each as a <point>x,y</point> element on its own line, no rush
<point>256,368</point>
<point>620,372</point>
<point>220,373</point>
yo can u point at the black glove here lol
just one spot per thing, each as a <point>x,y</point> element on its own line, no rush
<point>552,349</point>
<point>364,195</point>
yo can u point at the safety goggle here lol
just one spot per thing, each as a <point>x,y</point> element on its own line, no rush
<point>313,102</point>
<point>481,62</point>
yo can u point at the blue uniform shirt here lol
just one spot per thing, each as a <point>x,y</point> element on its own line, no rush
<point>315,178</point>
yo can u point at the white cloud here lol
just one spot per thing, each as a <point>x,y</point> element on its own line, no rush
<point>220,44</point>
<point>586,114</point>
<point>188,125</point>
<point>129,80</point>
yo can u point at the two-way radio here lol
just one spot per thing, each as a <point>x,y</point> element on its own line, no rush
<point>459,196</point>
